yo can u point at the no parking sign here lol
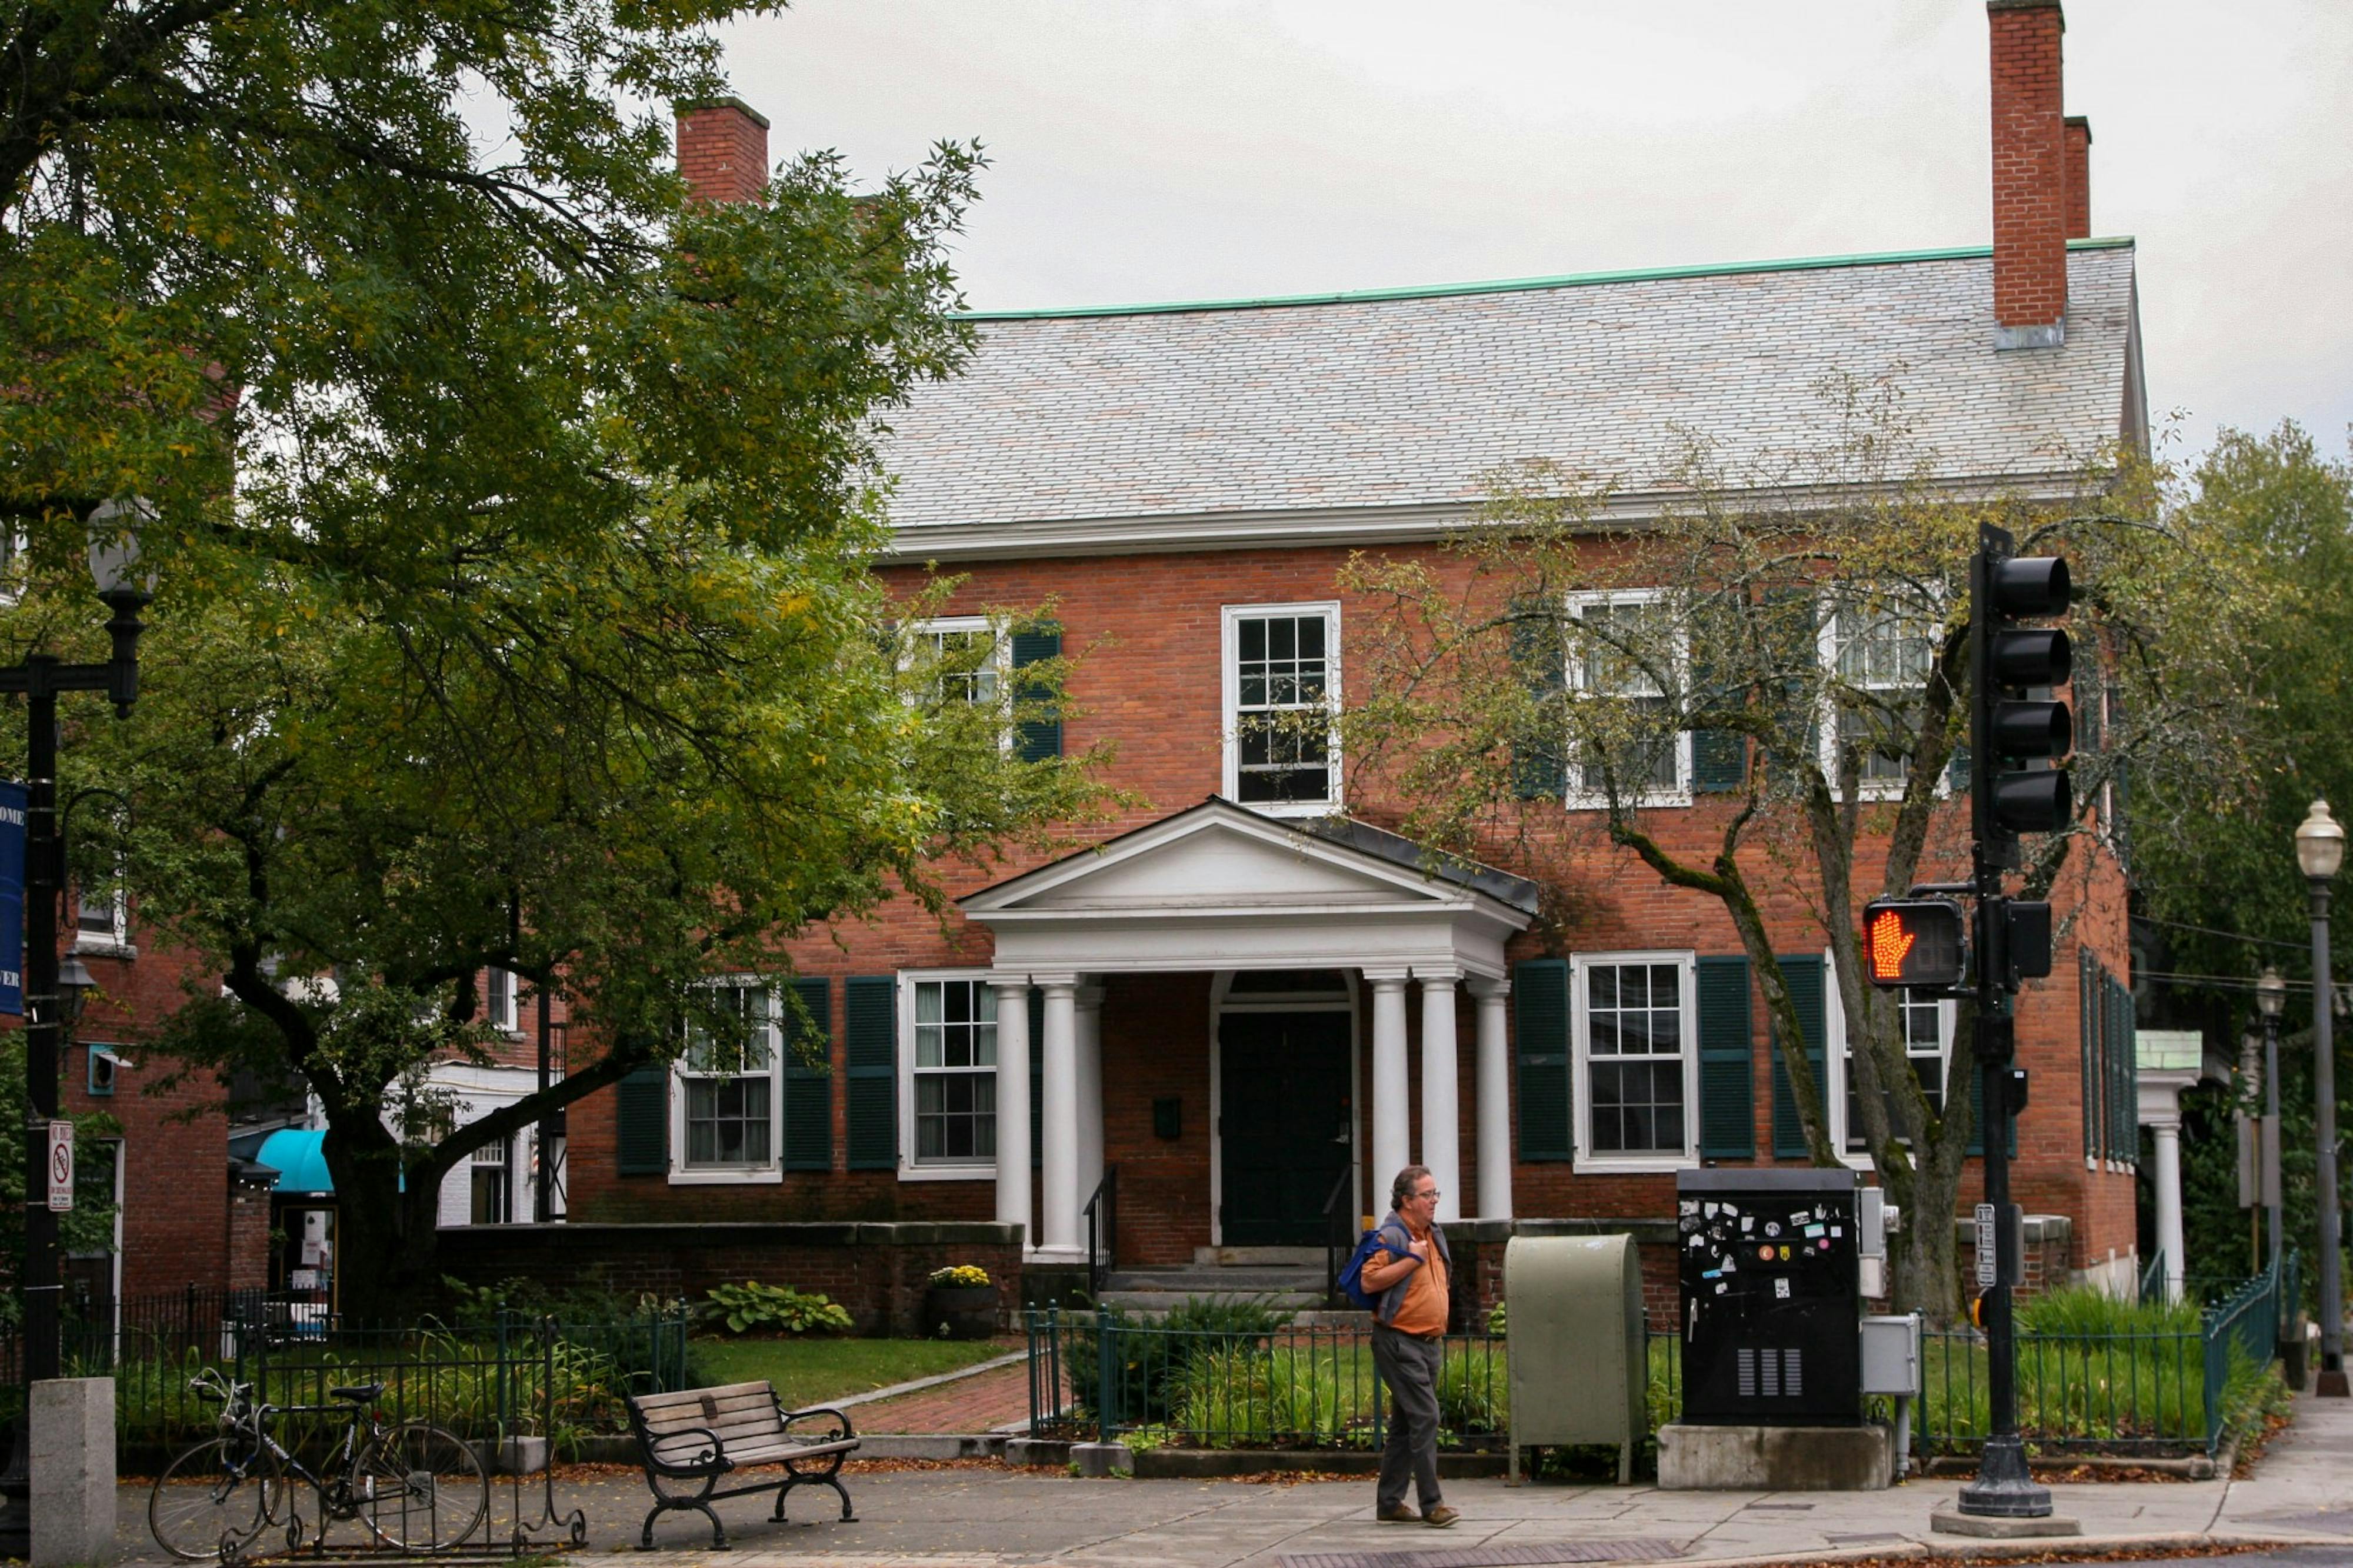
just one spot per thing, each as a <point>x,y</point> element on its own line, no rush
<point>61,1174</point>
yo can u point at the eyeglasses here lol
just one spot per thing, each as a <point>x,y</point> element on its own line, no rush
<point>1431,1194</point>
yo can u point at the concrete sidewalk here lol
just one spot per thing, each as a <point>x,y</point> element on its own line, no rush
<point>989,1514</point>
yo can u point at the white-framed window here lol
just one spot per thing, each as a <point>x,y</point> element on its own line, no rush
<point>947,1073</point>
<point>1632,649</point>
<point>1927,1024</point>
<point>974,657</point>
<point>102,919</point>
<point>492,1183</point>
<point>723,1118</point>
<point>1281,685</point>
<point>1879,652</point>
<point>1634,1028</point>
<point>500,1009</point>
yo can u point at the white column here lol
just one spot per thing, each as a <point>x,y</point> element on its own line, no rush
<point>2167,1178</point>
<point>1013,1101</point>
<point>1392,1111</point>
<point>1057,1166</point>
<point>1493,1110</point>
<point>1091,1112</point>
<point>1441,1119</point>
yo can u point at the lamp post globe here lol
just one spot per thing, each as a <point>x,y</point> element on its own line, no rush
<point>2320,851</point>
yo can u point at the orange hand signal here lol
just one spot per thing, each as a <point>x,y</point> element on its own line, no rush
<point>1889,943</point>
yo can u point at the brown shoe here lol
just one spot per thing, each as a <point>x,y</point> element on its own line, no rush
<point>1400,1514</point>
<point>1439,1517</point>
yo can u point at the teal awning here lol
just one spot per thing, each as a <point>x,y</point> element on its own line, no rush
<point>300,1158</point>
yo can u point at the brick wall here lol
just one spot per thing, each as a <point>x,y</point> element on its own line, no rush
<point>877,1271</point>
<point>2029,189</point>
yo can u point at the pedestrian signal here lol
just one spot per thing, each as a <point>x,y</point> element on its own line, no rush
<point>1913,943</point>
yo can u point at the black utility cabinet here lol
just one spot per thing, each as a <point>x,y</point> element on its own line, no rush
<point>1771,1303</point>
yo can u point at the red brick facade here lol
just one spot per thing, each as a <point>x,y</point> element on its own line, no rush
<point>2029,188</point>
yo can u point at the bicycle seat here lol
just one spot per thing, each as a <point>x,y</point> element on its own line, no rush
<point>358,1395</point>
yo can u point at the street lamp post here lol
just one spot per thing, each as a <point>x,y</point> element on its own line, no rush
<point>114,567</point>
<point>2320,850</point>
<point>2271,995</point>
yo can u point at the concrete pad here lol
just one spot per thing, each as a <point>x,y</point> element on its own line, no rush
<point>1775,1458</point>
<point>1097,1460</point>
<point>1953,1522</point>
<point>73,1501</point>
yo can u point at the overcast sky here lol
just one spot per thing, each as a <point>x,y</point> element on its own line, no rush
<point>1149,149</point>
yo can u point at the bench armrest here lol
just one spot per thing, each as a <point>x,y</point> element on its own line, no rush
<point>709,1459</point>
<point>841,1423</point>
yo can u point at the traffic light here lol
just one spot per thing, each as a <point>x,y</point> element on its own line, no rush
<point>2008,726</point>
<point>1909,942</point>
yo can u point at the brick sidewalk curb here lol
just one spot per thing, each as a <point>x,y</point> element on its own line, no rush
<point>916,1385</point>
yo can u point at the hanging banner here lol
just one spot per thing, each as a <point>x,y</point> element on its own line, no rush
<point>12,900</point>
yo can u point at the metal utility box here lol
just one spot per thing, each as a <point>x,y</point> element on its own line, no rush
<point>1770,1297</point>
<point>1579,1366</point>
<point>1890,1355</point>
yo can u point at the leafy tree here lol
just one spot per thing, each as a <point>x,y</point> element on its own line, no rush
<point>1806,626</point>
<point>516,524</point>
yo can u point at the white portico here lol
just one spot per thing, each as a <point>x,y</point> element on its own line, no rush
<point>1223,892</point>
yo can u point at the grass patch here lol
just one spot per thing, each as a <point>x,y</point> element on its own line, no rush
<point>810,1372</point>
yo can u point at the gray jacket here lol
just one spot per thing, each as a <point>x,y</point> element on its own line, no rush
<point>1398,1239</point>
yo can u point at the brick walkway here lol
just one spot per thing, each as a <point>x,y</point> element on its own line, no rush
<point>981,1402</point>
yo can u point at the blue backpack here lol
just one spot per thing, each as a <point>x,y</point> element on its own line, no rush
<point>1352,1276</point>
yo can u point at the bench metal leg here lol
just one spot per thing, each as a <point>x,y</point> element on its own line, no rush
<point>827,1479</point>
<point>718,1531</point>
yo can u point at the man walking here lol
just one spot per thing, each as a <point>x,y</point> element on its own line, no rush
<point>1407,1324</point>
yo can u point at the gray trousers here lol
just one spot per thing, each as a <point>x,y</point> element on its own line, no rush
<point>1408,1366</point>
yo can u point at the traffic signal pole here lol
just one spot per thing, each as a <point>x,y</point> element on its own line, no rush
<point>2003,1487</point>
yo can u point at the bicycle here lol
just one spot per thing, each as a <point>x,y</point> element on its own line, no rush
<point>415,1487</point>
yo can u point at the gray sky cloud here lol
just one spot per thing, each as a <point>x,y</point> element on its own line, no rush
<point>1151,150</point>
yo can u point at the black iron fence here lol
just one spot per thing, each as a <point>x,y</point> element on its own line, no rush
<point>486,1378</point>
<point>2108,1387</point>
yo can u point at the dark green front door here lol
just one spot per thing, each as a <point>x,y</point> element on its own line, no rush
<point>1282,1086</point>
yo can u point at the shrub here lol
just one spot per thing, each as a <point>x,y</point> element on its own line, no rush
<point>1474,1389</point>
<point>753,1306</point>
<point>1153,1356</point>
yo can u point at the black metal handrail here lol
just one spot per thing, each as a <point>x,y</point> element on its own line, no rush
<point>1103,1219</point>
<point>1339,1235</point>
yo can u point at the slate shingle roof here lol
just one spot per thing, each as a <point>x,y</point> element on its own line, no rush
<point>1414,400</point>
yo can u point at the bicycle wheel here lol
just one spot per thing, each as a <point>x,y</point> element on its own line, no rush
<point>212,1500</point>
<point>418,1489</point>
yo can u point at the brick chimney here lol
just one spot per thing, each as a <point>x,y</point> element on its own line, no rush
<point>722,149</point>
<point>2029,175</point>
<point>2079,177</point>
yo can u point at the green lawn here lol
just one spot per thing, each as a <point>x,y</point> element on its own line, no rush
<point>811,1371</point>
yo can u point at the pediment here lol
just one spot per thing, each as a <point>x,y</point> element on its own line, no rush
<point>1216,857</point>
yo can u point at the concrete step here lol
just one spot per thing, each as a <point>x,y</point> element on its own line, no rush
<point>1216,1281</point>
<point>1258,1257</point>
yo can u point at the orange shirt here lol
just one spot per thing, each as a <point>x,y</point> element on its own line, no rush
<point>1423,1310</point>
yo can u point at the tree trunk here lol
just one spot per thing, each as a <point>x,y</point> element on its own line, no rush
<point>1925,1279</point>
<point>386,1237</point>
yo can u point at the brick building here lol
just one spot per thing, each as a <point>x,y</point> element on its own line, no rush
<point>1250,996</point>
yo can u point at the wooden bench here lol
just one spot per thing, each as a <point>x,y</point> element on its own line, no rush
<point>692,1440</point>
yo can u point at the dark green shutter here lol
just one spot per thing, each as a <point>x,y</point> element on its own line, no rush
<point>809,1088</point>
<point>1539,761</point>
<point>1719,757</point>
<point>1040,739</point>
<point>1727,1092</point>
<point>2086,1031</point>
<point>1792,628</point>
<point>1037,1078</point>
<point>870,1009</point>
<point>641,1122</point>
<point>1804,976</point>
<point>1977,1109</point>
<point>1540,1040</point>
<point>1957,770</point>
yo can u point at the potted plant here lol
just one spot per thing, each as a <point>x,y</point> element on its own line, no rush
<point>960,1302</point>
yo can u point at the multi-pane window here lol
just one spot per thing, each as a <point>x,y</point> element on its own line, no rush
<point>498,1006</point>
<point>1627,648</point>
<point>1880,656</point>
<point>956,1071</point>
<point>1633,1029</point>
<point>1924,1020</point>
<point>491,1181</point>
<point>969,653</point>
<point>1282,686</point>
<point>730,1082</point>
